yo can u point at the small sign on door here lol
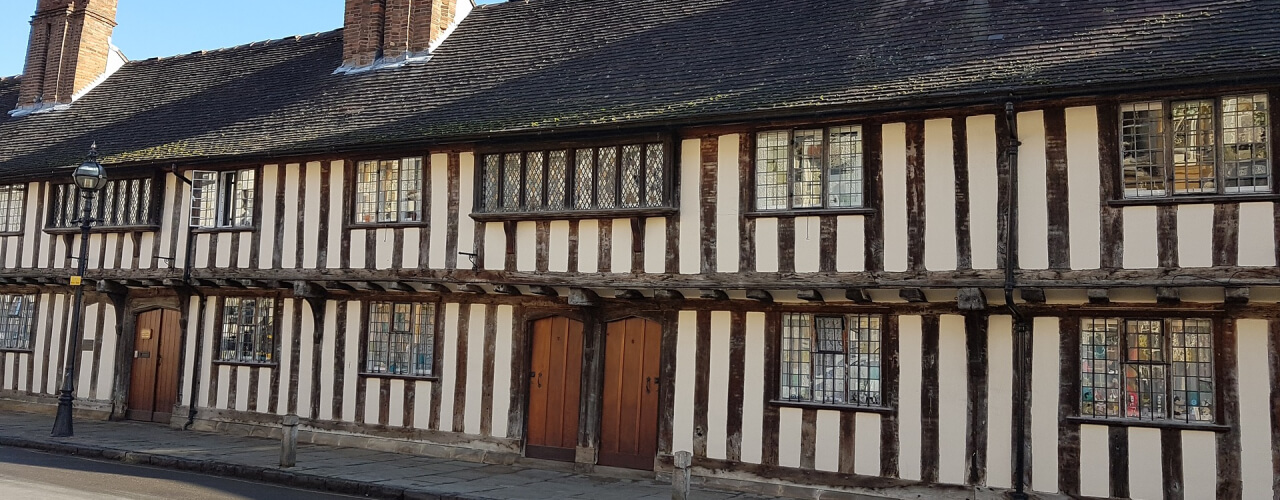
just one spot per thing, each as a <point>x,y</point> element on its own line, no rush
<point>146,334</point>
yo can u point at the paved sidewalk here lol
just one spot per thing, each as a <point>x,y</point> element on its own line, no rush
<point>345,470</point>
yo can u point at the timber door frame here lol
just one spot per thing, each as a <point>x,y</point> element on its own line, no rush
<point>589,325</point>
<point>127,311</point>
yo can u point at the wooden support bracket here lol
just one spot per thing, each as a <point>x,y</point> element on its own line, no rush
<point>471,288</point>
<point>857,295</point>
<point>714,295</point>
<point>543,290</point>
<point>506,289</point>
<point>668,294</point>
<point>810,295</point>
<point>629,294</point>
<point>912,295</point>
<point>583,297</point>
<point>971,299</point>
<point>1099,296</point>
<point>436,287</point>
<point>111,287</point>
<point>1033,295</point>
<point>1237,295</point>
<point>309,290</point>
<point>1168,295</point>
<point>760,295</point>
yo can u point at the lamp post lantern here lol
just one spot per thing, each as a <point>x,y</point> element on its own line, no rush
<point>89,178</point>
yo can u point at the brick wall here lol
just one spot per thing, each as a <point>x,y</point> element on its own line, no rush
<point>67,50</point>
<point>393,28</point>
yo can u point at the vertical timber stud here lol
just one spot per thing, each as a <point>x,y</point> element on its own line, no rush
<point>490,351</point>
<point>319,306</point>
<point>340,358</point>
<point>1055,125</point>
<point>889,384</point>
<point>1004,193</point>
<point>1167,235</point>
<point>960,160</point>
<point>1112,223</point>
<point>1118,448</point>
<point>915,196</point>
<point>702,382</point>
<point>667,387</point>
<point>976,435</point>
<point>929,437</point>
<point>1273,358</point>
<point>1068,399</point>
<point>737,369</point>
<point>1171,463</point>
<point>1226,373</point>
<point>460,365</point>
<point>746,177</point>
<point>709,156</point>
<point>1226,228</point>
<point>873,175</point>
<point>769,426</point>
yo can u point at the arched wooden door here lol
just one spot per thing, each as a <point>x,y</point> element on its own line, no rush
<point>629,417</point>
<point>555,381</point>
<point>153,383</point>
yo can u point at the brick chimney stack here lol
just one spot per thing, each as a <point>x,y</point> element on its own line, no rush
<point>390,31</point>
<point>68,50</point>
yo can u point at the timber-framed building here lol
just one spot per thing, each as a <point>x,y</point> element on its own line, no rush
<point>894,248</point>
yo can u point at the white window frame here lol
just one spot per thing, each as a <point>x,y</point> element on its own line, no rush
<point>228,190</point>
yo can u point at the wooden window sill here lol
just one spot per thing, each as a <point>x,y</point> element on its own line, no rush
<point>104,229</point>
<point>608,213</point>
<point>16,350</point>
<point>386,225</point>
<point>1189,199</point>
<point>266,364</point>
<point>10,233</point>
<point>1155,424</point>
<point>393,376</point>
<point>828,406</point>
<point>810,212</point>
<point>214,230</point>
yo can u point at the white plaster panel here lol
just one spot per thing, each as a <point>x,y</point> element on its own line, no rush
<point>206,354</point>
<point>526,246</point>
<point>953,398</point>
<point>337,180</point>
<point>826,449</point>
<point>372,399</point>
<point>384,247</point>
<point>224,250</point>
<point>202,249</point>
<point>108,260</point>
<point>502,364</point>
<point>306,354</point>
<point>475,369</point>
<point>894,161</point>
<point>311,219</point>
<point>224,387</point>
<point>1195,235</point>
<point>910,343</point>
<point>1141,249</point>
<point>1044,404</point>
<point>357,247</point>
<point>588,246</point>
<point>728,188</point>
<point>146,254</point>
<point>42,325</point>
<point>44,238</point>
<point>242,388</point>
<point>264,390</point>
<point>242,254</point>
<point>999,401</point>
<point>328,348</point>
<point>55,346</point>
<point>86,357</point>
<point>466,198</point>
<point>790,421</point>
<point>655,245</point>
<point>558,246</point>
<point>686,361</point>
<point>1033,208</point>
<point>620,257</point>
<point>718,388</point>
<point>13,242</point>
<point>1145,477</point>
<point>495,245</point>
<point>24,361</point>
<point>126,251</point>
<point>1257,241</point>
<point>107,368</point>
<point>60,252</point>
<point>1083,182</point>
<point>850,243</point>
<point>395,404</point>
<point>866,441</point>
<point>352,361</point>
<point>268,226</point>
<point>166,247</point>
<point>940,191</point>
<point>1255,408</point>
<point>448,366</point>
<point>289,247</point>
<point>439,215</point>
<point>753,387</point>
<point>808,248</point>
<point>412,245</point>
<point>7,379</point>
<point>422,405</point>
<point>1200,469</point>
<point>766,245</point>
<point>690,206</point>
<point>32,232</point>
<point>1095,461</point>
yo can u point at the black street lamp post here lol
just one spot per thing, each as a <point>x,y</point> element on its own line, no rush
<point>89,178</point>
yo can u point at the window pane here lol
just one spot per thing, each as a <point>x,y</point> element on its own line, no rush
<point>401,338</point>
<point>204,198</point>
<point>16,324</point>
<point>533,180</point>
<point>12,199</point>
<point>1193,147</point>
<point>654,181</point>
<point>1142,149</point>
<point>864,360</point>
<point>410,189</point>
<point>389,190</point>
<point>511,185</point>
<point>584,179</point>
<point>1246,162</point>
<point>1099,367</point>
<point>606,196</point>
<point>844,167</point>
<point>772,157</point>
<point>557,182</point>
<point>807,155</point>
<point>829,360</point>
<point>248,330</point>
<point>630,176</point>
<point>796,350</point>
<point>366,192</point>
<point>242,201</point>
<point>1191,348</point>
<point>491,183</point>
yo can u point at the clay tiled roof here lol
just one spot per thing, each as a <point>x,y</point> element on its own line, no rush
<point>554,65</point>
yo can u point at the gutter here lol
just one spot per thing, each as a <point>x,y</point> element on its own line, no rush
<point>1020,329</point>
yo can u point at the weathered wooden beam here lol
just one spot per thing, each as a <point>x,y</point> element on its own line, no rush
<point>229,283</point>
<point>543,290</point>
<point>629,294</point>
<point>971,299</point>
<point>173,282</point>
<point>714,295</point>
<point>668,294</point>
<point>760,295</point>
<point>1236,295</point>
<point>583,297</point>
<point>111,287</point>
<point>857,295</point>
<point>1168,295</point>
<point>506,289</point>
<point>207,283</point>
<point>1033,295</point>
<point>809,295</point>
<point>435,287</point>
<point>471,288</point>
<point>309,290</point>
<point>395,286</point>
<point>912,295</point>
<point>1098,295</point>
<point>340,285</point>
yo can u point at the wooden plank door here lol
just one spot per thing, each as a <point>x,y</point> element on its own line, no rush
<point>629,417</point>
<point>153,383</point>
<point>555,378</point>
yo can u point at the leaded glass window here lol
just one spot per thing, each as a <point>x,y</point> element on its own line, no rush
<point>222,199</point>
<point>595,178</point>
<point>17,328</point>
<point>248,330</point>
<point>401,338</point>
<point>120,203</point>
<point>389,191</point>
<point>809,169</point>
<point>831,359</point>
<point>1147,369</point>
<point>12,203</point>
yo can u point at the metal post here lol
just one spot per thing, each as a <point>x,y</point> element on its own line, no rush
<point>680,476</point>
<point>62,422</point>
<point>289,440</point>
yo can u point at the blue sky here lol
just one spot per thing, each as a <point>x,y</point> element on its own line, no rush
<point>160,28</point>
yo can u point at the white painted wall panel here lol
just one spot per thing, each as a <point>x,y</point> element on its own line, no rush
<point>311,217</point>
<point>1033,207</point>
<point>328,348</point>
<point>953,398</point>
<point>466,198</point>
<point>202,249</point>
<point>1044,404</point>
<point>1255,408</point>
<point>224,250</point>
<point>1195,235</point>
<point>266,244</point>
<point>999,401</point>
<point>826,451</point>
<point>224,387</point>
<point>109,339</point>
<point>108,258</point>
<point>495,245</point>
<point>288,223</point>
<point>753,387</point>
<point>1257,240</point>
<point>1083,179</point>
<point>766,245</point>
<point>306,355</point>
<point>413,244</point>
<point>895,196</point>
<point>475,369</point>
<point>502,364</point>
<point>1200,468</point>
<point>790,421</point>
<point>655,245</point>
<point>357,247</point>
<point>352,362</point>
<point>1141,249</point>
<point>422,405</point>
<point>718,388</point>
<point>264,390</point>
<point>558,247</point>
<point>439,216</point>
<point>526,246</point>
<point>126,251</point>
<point>808,244</point>
<point>337,180</point>
<point>384,247</point>
<point>166,247</point>
<point>1145,477</point>
<point>448,366</point>
<point>728,189</point>
<point>866,450</point>
<point>850,243</point>
<point>243,252</point>
<point>372,400</point>
<point>620,259</point>
<point>31,226</point>
<point>588,246</point>
<point>242,388</point>
<point>56,354</point>
<point>940,193</point>
<point>686,361</point>
<point>44,301</point>
<point>85,371</point>
<point>690,206</point>
<point>1095,461</point>
<point>146,253</point>
<point>44,238</point>
<point>395,404</point>
<point>910,339</point>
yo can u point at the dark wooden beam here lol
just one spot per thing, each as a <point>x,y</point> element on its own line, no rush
<point>1168,295</point>
<point>1033,295</point>
<point>1237,295</point>
<point>340,285</point>
<point>229,283</point>
<point>668,294</point>
<point>309,290</point>
<point>714,295</point>
<point>583,297</point>
<point>543,290</point>
<point>971,299</point>
<point>760,295</point>
<point>506,289</point>
<point>471,288</point>
<point>435,287</point>
<point>629,294</point>
<point>173,282</point>
<point>809,295</point>
<point>207,283</point>
<point>1099,295</point>
<point>857,295</point>
<point>111,287</point>
<point>912,295</point>
<point>395,286</point>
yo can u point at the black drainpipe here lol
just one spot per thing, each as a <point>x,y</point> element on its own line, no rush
<point>1020,329</point>
<point>186,281</point>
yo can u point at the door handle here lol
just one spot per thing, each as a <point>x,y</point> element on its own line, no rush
<point>539,381</point>
<point>649,382</point>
